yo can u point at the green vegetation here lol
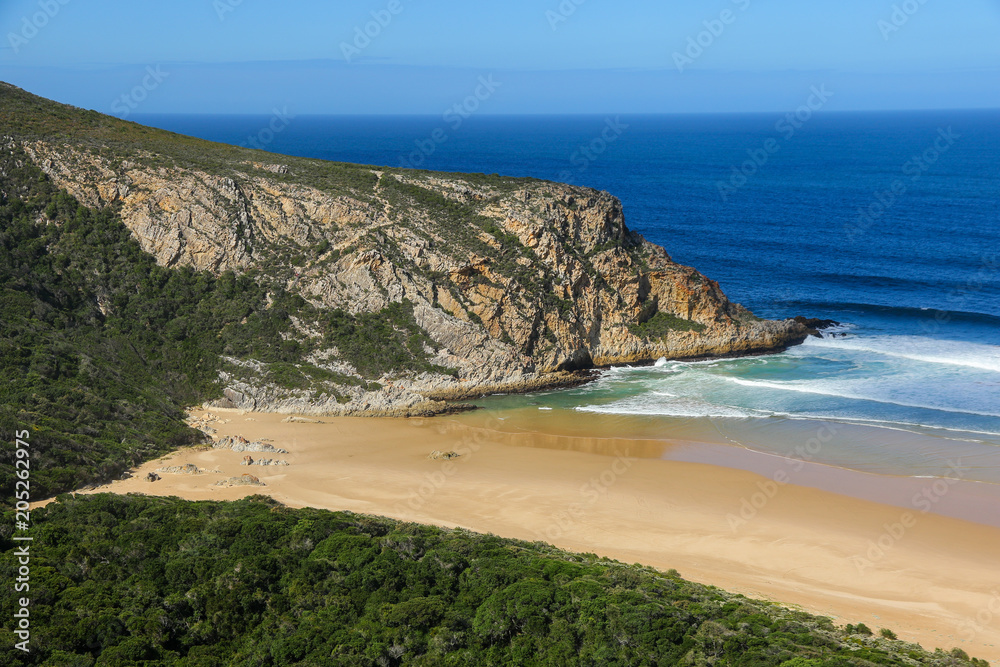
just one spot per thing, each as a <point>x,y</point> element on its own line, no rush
<point>306,376</point>
<point>28,116</point>
<point>451,216</point>
<point>512,259</point>
<point>139,580</point>
<point>100,348</point>
<point>456,222</point>
<point>660,324</point>
<point>494,181</point>
<point>383,342</point>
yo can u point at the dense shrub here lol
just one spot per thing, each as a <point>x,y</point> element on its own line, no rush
<point>138,580</point>
<point>101,348</point>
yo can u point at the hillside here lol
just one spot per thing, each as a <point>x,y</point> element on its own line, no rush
<point>511,281</point>
<point>136,580</point>
<point>142,272</point>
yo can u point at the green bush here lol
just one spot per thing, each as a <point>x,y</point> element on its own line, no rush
<point>859,629</point>
<point>101,348</point>
<point>660,324</point>
<point>126,580</point>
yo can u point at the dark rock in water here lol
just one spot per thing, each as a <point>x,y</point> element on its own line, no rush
<point>815,324</point>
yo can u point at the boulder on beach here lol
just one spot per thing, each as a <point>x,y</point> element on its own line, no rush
<point>186,469</point>
<point>242,480</point>
<point>238,443</point>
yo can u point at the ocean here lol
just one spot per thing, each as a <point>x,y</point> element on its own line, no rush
<point>886,222</point>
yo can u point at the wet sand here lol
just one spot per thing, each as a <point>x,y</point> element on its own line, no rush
<point>793,539</point>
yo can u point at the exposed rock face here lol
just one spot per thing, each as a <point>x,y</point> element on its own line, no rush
<point>238,443</point>
<point>513,279</point>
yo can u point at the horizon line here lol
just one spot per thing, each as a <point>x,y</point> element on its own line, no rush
<point>558,113</point>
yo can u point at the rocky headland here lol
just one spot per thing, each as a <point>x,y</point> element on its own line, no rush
<point>509,284</point>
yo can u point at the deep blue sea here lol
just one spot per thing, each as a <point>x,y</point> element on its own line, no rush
<point>886,222</point>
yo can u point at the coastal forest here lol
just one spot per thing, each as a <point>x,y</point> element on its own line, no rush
<point>102,348</point>
<point>135,580</point>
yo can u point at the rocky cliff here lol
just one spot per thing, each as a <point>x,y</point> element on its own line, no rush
<point>516,282</point>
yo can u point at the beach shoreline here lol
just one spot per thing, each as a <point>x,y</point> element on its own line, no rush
<point>924,575</point>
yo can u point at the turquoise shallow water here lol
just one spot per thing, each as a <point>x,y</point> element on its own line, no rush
<point>913,381</point>
<point>824,402</point>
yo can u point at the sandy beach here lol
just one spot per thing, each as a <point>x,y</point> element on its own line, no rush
<point>930,578</point>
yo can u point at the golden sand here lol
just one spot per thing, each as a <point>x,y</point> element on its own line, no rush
<point>930,578</point>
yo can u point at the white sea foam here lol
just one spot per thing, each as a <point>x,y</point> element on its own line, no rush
<point>646,405</point>
<point>916,348</point>
<point>893,425</point>
<point>897,382</point>
<point>843,327</point>
<point>826,389</point>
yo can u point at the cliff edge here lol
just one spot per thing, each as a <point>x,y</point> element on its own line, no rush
<point>508,283</point>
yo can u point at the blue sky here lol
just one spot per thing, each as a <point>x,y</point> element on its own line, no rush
<point>546,56</point>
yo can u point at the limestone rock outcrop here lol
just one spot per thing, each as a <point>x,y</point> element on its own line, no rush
<point>517,282</point>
